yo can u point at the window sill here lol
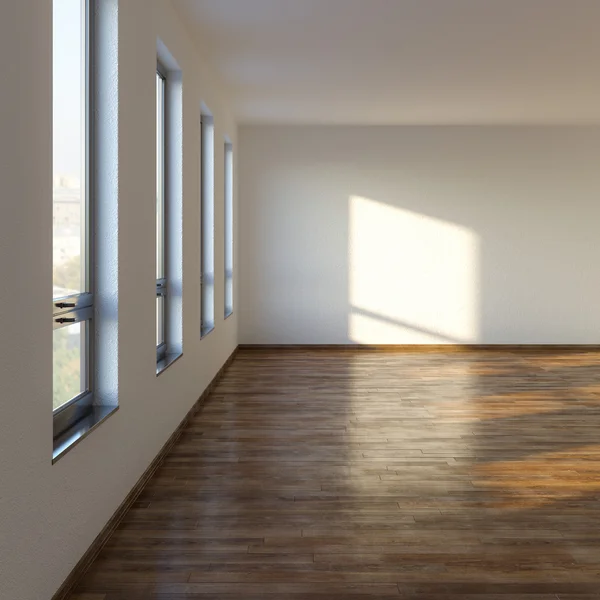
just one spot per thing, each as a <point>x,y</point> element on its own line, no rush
<point>80,430</point>
<point>206,330</point>
<point>163,364</point>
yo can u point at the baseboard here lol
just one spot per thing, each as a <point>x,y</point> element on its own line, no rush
<point>88,558</point>
<point>414,348</point>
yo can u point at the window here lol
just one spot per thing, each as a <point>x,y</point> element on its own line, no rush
<point>161,277</point>
<point>85,218</point>
<point>228,229</point>
<point>73,294</point>
<point>207,206</point>
<point>169,210</point>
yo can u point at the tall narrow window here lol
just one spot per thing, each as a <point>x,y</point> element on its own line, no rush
<point>207,276</point>
<point>228,229</point>
<point>169,210</point>
<point>72,209</point>
<point>161,276</point>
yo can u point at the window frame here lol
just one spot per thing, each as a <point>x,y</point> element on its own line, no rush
<point>207,224</point>
<point>162,238</point>
<point>79,308</point>
<point>228,229</point>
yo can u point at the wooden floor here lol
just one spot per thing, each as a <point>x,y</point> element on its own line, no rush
<point>333,474</point>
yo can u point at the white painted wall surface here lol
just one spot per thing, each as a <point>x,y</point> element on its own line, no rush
<point>50,514</point>
<point>418,235</point>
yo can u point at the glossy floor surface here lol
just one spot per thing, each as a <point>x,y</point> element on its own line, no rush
<point>334,474</point>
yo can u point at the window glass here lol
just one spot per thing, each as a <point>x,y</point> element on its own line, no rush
<point>228,229</point>
<point>69,359</point>
<point>207,276</point>
<point>69,147</point>
<point>160,320</point>
<point>160,184</point>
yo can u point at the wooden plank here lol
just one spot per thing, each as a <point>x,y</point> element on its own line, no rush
<point>352,473</point>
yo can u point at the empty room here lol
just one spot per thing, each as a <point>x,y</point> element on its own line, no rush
<point>302,300</point>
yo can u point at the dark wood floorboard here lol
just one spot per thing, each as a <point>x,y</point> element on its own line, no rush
<point>333,474</point>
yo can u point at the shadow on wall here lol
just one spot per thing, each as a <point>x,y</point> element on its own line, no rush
<point>420,235</point>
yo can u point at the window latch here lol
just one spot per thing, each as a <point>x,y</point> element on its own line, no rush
<point>65,320</point>
<point>65,304</point>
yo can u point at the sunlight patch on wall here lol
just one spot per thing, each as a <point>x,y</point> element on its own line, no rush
<point>413,279</point>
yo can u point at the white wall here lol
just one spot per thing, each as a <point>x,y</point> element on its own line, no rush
<point>49,514</point>
<point>419,235</point>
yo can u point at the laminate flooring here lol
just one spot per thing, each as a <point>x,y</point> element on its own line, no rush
<point>330,474</point>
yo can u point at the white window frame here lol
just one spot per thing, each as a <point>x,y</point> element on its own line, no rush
<point>228,220</point>
<point>207,221</point>
<point>79,308</point>
<point>161,216</point>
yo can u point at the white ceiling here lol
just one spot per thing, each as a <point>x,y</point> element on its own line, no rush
<point>404,61</point>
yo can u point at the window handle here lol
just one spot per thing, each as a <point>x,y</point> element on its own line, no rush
<point>65,320</point>
<point>65,304</point>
